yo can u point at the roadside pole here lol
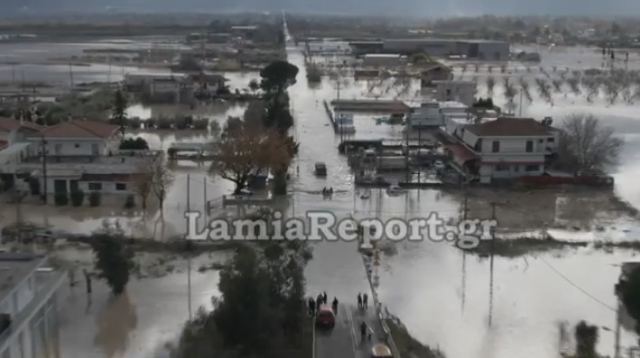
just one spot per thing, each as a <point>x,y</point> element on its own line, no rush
<point>188,249</point>
<point>493,238</point>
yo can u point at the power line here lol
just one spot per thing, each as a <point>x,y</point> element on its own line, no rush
<point>569,281</point>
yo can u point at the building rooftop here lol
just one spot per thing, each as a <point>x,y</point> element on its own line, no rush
<point>510,127</point>
<point>80,129</point>
<point>9,124</point>
<point>15,267</point>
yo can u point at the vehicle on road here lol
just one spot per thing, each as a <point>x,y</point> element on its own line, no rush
<point>395,190</point>
<point>325,318</point>
<point>320,169</point>
<point>439,165</point>
<point>380,350</point>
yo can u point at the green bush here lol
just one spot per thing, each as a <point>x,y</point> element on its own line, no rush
<point>130,203</point>
<point>61,199</point>
<point>95,198</point>
<point>77,197</point>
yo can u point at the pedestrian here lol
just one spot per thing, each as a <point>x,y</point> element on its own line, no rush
<point>365,300</point>
<point>359,301</point>
<point>363,331</point>
<point>312,307</point>
<point>324,297</point>
<point>334,305</point>
<point>318,301</point>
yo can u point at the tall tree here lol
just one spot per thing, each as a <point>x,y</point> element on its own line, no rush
<point>246,149</point>
<point>586,340</point>
<point>119,110</point>
<point>114,260</point>
<point>629,293</point>
<point>585,145</point>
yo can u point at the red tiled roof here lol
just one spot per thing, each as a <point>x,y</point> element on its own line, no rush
<point>9,124</point>
<point>80,129</point>
<point>505,127</point>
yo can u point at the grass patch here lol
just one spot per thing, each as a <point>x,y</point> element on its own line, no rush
<point>408,346</point>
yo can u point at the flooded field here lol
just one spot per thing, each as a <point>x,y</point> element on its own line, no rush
<point>443,296</point>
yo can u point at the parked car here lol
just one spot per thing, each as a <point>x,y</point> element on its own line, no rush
<point>439,165</point>
<point>380,350</point>
<point>320,169</point>
<point>395,190</point>
<point>325,318</point>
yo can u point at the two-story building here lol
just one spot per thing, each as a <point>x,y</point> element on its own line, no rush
<point>28,314</point>
<point>13,147</point>
<point>506,148</point>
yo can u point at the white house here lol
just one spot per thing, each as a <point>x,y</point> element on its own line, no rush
<point>77,138</point>
<point>28,315</point>
<point>508,148</point>
<point>460,91</point>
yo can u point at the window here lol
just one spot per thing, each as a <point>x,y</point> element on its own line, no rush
<point>551,140</point>
<point>121,186</point>
<point>529,146</point>
<point>495,146</point>
<point>532,168</point>
<point>501,167</point>
<point>478,146</point>
<point>95,186</point>
<point>77,145</point>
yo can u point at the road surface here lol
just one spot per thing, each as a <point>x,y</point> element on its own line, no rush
<point>344,340</point>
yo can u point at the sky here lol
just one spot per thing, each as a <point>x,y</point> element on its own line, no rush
<point>426,8</point>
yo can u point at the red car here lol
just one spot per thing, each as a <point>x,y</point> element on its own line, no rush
<point>325,318</point>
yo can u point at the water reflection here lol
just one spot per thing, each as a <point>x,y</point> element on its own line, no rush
<point>115,323</point>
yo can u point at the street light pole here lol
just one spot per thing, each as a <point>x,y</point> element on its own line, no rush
<point>44,170</point>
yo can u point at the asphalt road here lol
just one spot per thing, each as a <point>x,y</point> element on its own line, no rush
<point>344,340</point>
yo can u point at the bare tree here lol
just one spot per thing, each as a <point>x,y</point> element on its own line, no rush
<point>161,178</point>
<point>491,83</point>
<point>585,145</point>
<point>143,187</point>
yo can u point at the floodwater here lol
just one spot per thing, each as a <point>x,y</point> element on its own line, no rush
<point>442,296</point>
<point>446,298</point>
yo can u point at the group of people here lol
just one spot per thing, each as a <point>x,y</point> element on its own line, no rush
<point>327,191</point>
<point>321,299</point>
<point>363,301</point>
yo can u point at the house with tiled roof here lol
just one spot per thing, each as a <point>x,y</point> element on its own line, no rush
<point>78,155</point>
<point>506,148</point>
<point>79,138</point>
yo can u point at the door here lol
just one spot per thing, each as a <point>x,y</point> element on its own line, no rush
<point>60,186</point>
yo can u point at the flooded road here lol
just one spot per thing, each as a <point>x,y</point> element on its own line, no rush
<point>446,298</point>
<point>443,296</point>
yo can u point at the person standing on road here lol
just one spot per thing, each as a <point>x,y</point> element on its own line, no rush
<point>365,300</point>
<point>363,331</point>
<point>312,307</point>
<point>318,301</point>
<point>359,301</point>
<point>334,305</point>
<point>324,297</point>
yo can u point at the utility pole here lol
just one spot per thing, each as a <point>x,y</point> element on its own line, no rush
<point>188,247</point>
<point>493,237</point>
<point>465,211</point>
<point>44,169</point>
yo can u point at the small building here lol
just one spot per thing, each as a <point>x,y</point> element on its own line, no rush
<point>383,60</point>
<point>460,91</point>
<point>428,115</point>
<point>28,312</point>
<point>508,148</point>
<point>164,87</point>
<point>435,72</point>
